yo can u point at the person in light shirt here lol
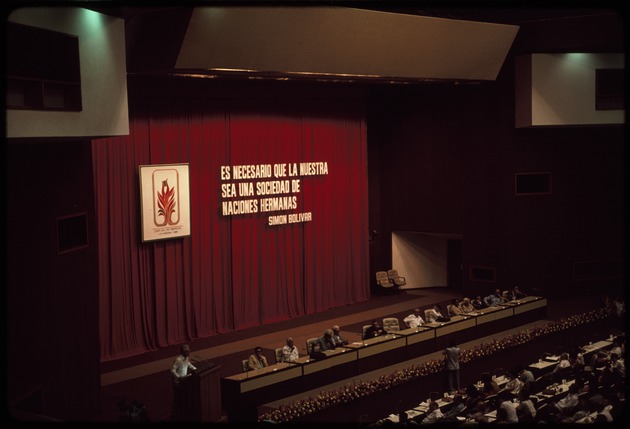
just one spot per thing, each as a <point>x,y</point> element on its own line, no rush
<point>289,351</point>
<point>508,406</point>
<point>570,400</point>
<point>453,308</point>
<point>434,414</point>
<point>514,384</point>
<point>434,313</point>
<point>451,357</point>
<point>181,369</point>
<point>493,299</point>
<point>562,368</point>
<point>525,409</point>
<point>466,306</point>
<point>414,319</point>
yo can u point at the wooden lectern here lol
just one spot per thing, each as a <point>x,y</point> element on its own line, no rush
<point>200,396</point>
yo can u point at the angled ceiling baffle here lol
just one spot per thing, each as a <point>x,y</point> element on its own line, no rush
<point>326,43</point>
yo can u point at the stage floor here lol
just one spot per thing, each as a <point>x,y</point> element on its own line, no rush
<point>146,378</point>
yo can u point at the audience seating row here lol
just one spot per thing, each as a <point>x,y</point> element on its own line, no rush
<point>544,392</point>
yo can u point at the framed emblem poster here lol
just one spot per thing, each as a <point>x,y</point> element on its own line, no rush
<point>164,201</point>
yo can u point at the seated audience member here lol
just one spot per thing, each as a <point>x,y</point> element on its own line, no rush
<point>621,339</point>
<point>434,314</point>
<point>617,347</point>
<point>509,407</point>
<point>500,416</point>
<point>576,359</point>
<point>337,338</point>
<point>289,351</point>
<point>619,305</point>
<point>489,385</point>
<point>514,294</point>
<point>514,384</point>
<point>604,409</point>
<point>434,414</point>
<point>569,401</point>
<point>326,341</point>
<point>456,408</point>
<point>493,299</point>
<point>479,412</point>
<point>403,418</point>
<point>582,386</point>
<point>599,360</point>
<point>257,360</point>
<point>375,330</point>
<point>526,376</point>
<point>547,413</point>
<point>453,308</point>
<point>526,409</point>
<point>583,409</point>
<point>414,319</point>
<point>517,293</point>
<point>473,395</point>
<point>478,303</point>
<point>561,369</point>
<point>617,365</point>
<point>614,372</point>
<point>466,306</point>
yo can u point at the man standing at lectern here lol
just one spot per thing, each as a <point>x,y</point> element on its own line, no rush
<point>179,372</point>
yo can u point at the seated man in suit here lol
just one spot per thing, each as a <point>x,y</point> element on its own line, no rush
<point>337,338</point>
<point>375,330</point>
<point>257,360</point>
<point>516,293</point>
<point>326,341</point>
<point>478,303</point>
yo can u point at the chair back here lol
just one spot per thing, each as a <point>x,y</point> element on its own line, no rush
<point>396,278</point>
<point>279,355</point>
<point>245,365</point>
<point>365,328</point>
<point>383,280</point>
<point>449,310</point>
<point>391,324</point>
<point>426,315</point>
<point>312,345</point>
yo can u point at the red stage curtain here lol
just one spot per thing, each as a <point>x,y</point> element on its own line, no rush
<point>233,272</point>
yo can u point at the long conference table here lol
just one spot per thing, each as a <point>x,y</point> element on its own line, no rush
<point>242,393</point>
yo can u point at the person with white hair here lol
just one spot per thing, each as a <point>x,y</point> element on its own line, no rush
<point>289,351</point>
<point>466,306</point>
<point>326,341</point>
<point>337,337</point>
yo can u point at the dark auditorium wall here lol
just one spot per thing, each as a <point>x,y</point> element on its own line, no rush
<point>447,162</point>
<point>52,300</point>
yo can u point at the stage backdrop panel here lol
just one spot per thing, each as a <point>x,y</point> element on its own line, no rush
<point>278,218</point>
